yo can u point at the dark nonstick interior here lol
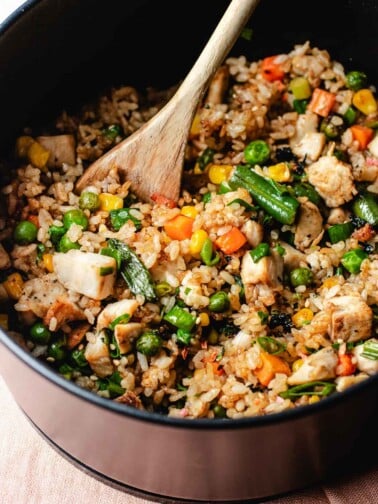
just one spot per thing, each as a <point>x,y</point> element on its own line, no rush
<point>60,54</point>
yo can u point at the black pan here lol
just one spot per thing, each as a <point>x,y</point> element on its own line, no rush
<point>56,54</point>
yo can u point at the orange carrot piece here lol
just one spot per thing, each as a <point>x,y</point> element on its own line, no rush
<point>271,365</point>
<point>362,134</point>
<point>321,102</point>
<point>231,241</point>
<point>271,70</point>
<point>160,199</point>
<point>34,219</point>
<point>179,228</point>
<point>345,365</point>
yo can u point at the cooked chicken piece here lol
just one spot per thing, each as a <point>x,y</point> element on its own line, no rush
<point>333,180</point>
<point>254,232</point>
<point>266,274</point>
<point>5,261</point>
<point>364,169</point>
<point>309,228</point>
<point>38,295</point>
<point>344,382</point>
<point>292,258</point>
<point>114,310</point>
<point>61,147</point>
<point>351,318</point>
<point>218,86</point>
<point>369,366</point>
<point>62,310</point>
<point>373,146</point>
<point>77,334</point>
<point>130,399</point>
<point>310,146</point>
<point>86,272</point>
<point>320,365</point>
<point>338,216</point>
<point>306,123</point>
<point>98,355</point>
<point>124,334</point>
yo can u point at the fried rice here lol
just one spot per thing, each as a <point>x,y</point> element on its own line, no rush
<point>255,293</point>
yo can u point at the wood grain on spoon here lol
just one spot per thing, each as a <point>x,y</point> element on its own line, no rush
<point>152,157</point>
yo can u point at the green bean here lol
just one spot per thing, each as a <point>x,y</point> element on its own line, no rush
<point>219,302</point>
<point>340,232</point>
<point>207,253</point>
<point>370,349</point>
<point>180,318</point>
<point>270,196</point>
<point>262,250</point>
<point>319,388</point>
<point>353,259</point>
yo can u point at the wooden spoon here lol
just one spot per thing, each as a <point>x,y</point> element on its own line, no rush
<point>152,157</point>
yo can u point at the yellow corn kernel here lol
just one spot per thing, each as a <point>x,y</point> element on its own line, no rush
<point>4,321</point>
<point>302,317</point>
<point>329,282</point>
<point>279,172</point>
<point>14,285</point>
<point>313,399</point>
<point>197,169</point>
<point>38,155</point>
<point>197,240</point>
<point>189,211</point>
<point>204,319</point>
<point>22,145</point>
<point>296,365</point>
<point>219,173</point>
<point>364,101</point>
<point>48,262</point>
<point>110,202</point>
<point>195,128</point>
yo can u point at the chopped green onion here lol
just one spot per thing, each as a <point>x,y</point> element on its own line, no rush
<point>300,106</point>
<point>280,249</point>
<point>271,345</point>
<point>319,388</point>
<point>122,319</point>
<point>112,131</point>
<point>205,158</point>
<point>370,349</point>
<point>247,33</point>
<point>106,270</point>
<point>207,253</point>
<point>163,288</point>
<point>263,316</point>
<point>243,203</point>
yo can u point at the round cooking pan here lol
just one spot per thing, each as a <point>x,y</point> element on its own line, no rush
<point>56,54</point>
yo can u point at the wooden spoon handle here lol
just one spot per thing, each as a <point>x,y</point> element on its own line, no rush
<point>217,48</point>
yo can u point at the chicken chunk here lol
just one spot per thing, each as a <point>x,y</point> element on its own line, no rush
<point>87,273</point>
<point>333,180</point>
<point>114,310</point>
<point>373,146</point>
<point>320,365</point>
<point>292,258</point>
<point>266,274</point>
<point>307,141</point>
<point>309,229</point>
<point>364,364</point>
<point>344,382</point>
<point>98,355</point>
<point>39,294</point>
<point>351,319</point>
<point>254,232</point>
<point>218,86</point>
<point>61,147</point>
<point>62,310</point>
<point>124,334</point>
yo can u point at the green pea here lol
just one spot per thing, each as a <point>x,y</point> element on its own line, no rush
<point>350,115</point>
<point>75,216</point>
<point>149,343</point>
<point>301,276</point>
<point>57,351</point>
<point>40,334</point>
<point>219,411</point>
<point>89,201</point>
<point>65,244</point>
<point>353,259</point>
<point>356,80</point>
<point>25,232</point>
<point>66,371</point>
<point>56,233</point>
<point>257,152</point>
<point>219,302</point>
<point>332,126</point>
